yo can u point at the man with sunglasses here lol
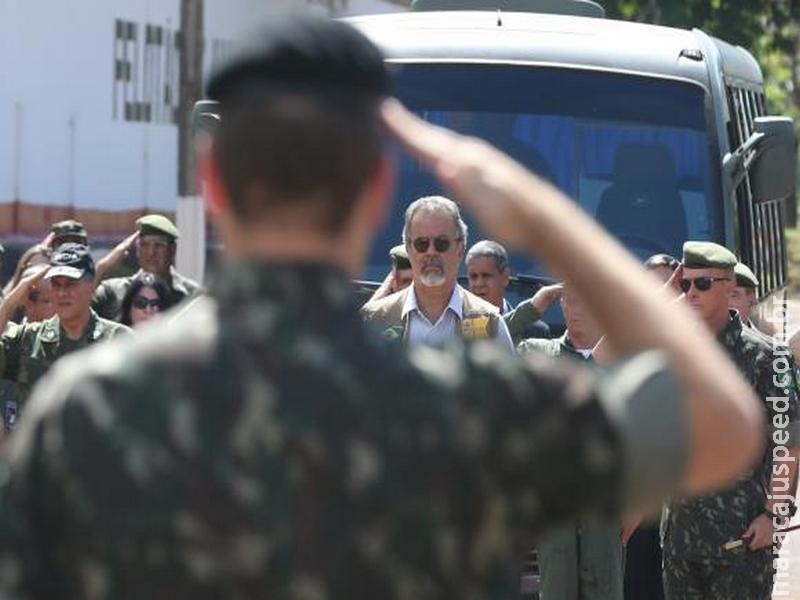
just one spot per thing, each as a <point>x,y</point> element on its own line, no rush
<point>29,349</point>
<point>156,244</point>
<point>271,445</point>
<point>435,309</point>
<point>697,563</point>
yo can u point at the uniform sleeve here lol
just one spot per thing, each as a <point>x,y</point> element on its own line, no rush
<point>566,440</point>
<point>522,317</point>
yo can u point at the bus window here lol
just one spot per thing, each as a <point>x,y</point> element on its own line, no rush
<point>633,151</point>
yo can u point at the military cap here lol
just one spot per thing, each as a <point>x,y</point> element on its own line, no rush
<point>301,51</point>
<point>744,276</point>
<point>707,255</point>
<point>158,225</point>
<point>68,228</point>
<point>399,257</point>
<point>70,260</point>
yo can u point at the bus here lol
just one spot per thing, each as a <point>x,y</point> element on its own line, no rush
<point>661,134</point>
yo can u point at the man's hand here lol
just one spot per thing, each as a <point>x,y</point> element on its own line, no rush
<point>115,256</point>
<point>759,534</point>
<point>16,297</point>
<point>545,296</point>
<point>481,177</point>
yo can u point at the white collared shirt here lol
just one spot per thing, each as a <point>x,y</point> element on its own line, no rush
<point>446,327</point>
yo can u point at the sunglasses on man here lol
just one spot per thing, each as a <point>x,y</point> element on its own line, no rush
<point>441,243</point>
<point>703,284</point>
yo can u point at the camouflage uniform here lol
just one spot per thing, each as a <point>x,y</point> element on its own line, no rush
<point>107,301</point>
<point>28,350</point>
<point>270,445</point>
<point>693,531</point>
<point>584,560</point>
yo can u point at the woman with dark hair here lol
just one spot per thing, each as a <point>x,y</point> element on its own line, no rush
<point>146,298</point>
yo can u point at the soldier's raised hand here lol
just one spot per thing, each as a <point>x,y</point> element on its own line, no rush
<point>485,180</point>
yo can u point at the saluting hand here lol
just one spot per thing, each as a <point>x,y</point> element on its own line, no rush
<point>481,177</point>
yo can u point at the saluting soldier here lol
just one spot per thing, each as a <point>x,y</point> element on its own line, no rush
<point>155,245</point>
<point>28,350</point>
<point>270,445</point>
<point>583,560</point>
<point>698,562</point>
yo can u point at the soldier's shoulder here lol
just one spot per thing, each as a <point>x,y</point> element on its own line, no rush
<point>136,362</point>
<point>106,328</point>
<point>532,345</point>
<point>383,305</point>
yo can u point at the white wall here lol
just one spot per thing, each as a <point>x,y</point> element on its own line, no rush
<point>60,142</point>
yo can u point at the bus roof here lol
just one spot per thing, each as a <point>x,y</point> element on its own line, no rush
<point>582,42</point>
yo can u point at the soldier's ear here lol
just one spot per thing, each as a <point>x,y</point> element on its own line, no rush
<point>211,185</point>
<point>378,192</point>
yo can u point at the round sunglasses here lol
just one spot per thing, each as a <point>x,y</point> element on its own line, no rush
<point>441,243</point>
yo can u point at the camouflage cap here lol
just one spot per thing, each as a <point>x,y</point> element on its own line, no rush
<point>70,260</point>
<point>399,257</point>
<point>70,227</point>
<point>707,255</point>
<point>744,276</point>
<point>158,225</point>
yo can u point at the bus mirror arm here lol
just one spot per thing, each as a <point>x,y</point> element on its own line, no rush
<point>736,164</point>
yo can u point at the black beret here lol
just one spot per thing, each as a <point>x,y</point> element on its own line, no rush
<point>298,50</point>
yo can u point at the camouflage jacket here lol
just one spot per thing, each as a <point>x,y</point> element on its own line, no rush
<point>28,350</point>
<point>699,527</point>
<point>271,445</point>
<point>107,301</point>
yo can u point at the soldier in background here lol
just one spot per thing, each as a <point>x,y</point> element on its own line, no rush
<point>29,349</point>
<point>744,295</point>
<point>582,560</point>
<point>156,242</point>
<point>269,445</point>
<point>695,532</point>
<point>399,277</point>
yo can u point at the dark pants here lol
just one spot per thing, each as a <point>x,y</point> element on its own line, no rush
<point>748,577</point>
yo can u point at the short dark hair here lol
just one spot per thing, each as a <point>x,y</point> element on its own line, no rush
<point>299,118</point>
<point>287,147</point>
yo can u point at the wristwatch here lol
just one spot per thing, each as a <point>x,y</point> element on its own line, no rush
<point>792,512</point>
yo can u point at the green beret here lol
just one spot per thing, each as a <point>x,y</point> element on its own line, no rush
<point>744,276</point>
<point>399,257</point>
<point>157,224</point>
<point>707,255</point>
<point>70,227</point>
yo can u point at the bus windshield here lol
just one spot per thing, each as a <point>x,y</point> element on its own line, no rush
<point>633,151</point>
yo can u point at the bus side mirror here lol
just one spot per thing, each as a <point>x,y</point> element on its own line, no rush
<point>772,174</point>
<point>769,155</point>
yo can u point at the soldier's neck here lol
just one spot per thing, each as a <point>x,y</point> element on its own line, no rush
<point>75,328</point>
